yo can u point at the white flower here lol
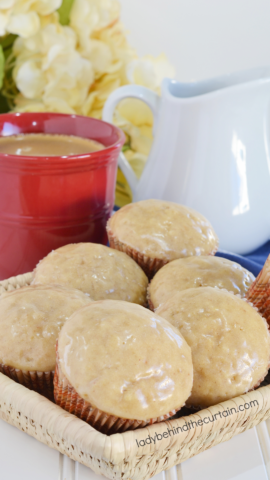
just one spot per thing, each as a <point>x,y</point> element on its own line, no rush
<point>3,24</point>
<point>44,7</point>
<point>5,4</point>
<point>23,24</point>
<point>49,69</point>
<point>30,80</point>
<point>109,52</point>
<point>149,71</point>
<point>22,17</point>
<point>88,16</point>
<point>100,56</point>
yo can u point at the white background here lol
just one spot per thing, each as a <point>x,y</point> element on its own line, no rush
<point>202,38</point>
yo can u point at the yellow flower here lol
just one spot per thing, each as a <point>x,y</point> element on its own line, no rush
<point>136,119</point>
<point>136,112</point>
<point>149,71</point>
<point>99,94</point>
<point>22,17</point>
<point>137,161</point>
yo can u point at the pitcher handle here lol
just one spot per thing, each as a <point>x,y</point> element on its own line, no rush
<point>130,91</point>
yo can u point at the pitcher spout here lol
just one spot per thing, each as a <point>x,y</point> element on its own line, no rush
<point>184,90</point>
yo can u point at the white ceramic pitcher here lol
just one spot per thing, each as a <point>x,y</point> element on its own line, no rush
<point>211,152</point>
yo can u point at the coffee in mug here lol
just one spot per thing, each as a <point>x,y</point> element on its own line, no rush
<point>47,145</point>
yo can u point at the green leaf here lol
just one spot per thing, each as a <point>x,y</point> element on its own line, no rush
<point>7,85</point>
<point>7,41</point>
<point>2,66</point>
<point>125,148</point>
<point>4,106</point>
<point>64,11</point>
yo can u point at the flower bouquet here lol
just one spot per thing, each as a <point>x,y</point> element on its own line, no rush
<point>68,56</point>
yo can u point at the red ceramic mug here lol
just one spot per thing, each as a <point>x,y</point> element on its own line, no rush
<point>48,202</point>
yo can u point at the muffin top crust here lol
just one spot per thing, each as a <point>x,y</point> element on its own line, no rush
<point>229,341</point>
<point>125,360</point>
<point>100,271</point>
<point>194,272</point>
<point>163,230</point>
<point>30,321</point>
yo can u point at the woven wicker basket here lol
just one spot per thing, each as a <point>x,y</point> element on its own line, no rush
<point>137,454</point>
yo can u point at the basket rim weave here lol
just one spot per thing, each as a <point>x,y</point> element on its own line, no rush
<point>132,454</point>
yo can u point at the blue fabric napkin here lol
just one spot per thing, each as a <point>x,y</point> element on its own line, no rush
<point>259,256</point>
<point>253,261</point>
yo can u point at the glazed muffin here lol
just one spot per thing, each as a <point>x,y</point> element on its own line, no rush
<point>155,232</point>
<point>229,341</point>
<point>100,271</point>
<point>194,272</point>
<point>30,321</point>
<point>120,367</point>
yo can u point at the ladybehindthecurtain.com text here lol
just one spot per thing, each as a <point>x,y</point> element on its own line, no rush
<point>189,425</point>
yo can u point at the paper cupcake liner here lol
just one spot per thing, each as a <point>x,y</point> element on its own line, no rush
<point>259,292</point>
<point>40,382</point>
<point>149,265</point>
<point>149,301</point>
<point>150,304</point>
<point>67,398</point>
